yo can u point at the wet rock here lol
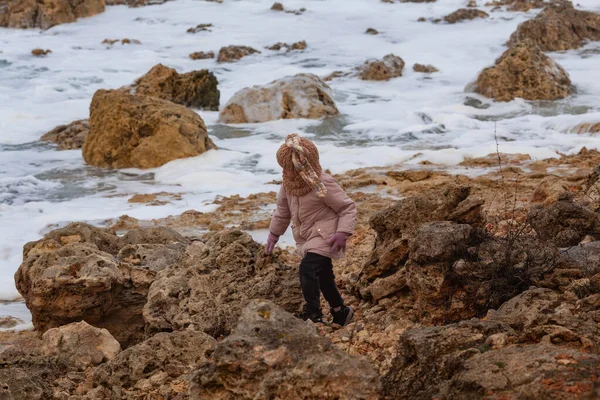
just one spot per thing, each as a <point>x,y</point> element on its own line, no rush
<point>518,5</point>
<point>287,47</point>
<point>156,368</point>
<point>38,14</point>
<point>201,55</point>
<point>110,42</point>
<point>135,131</point>
<point>9,322</point>
<point>277,7</point>
<point>372,31</point>
<point>40,52</point>
<point>564,223</point>
<point>299,96</point>
<point>80,344</point>
<point>200,28</point>
<point>465,14</point>
<point>524,71</point>
<point>218,277</point>
<point>588,127</point>
<point>196,89</point>
<point>425,69</point>
<point>558,27</point>
<point>135,3</point>
<point>389,67</point>
<point>69,137</point>
<point>85,273</point>
<point>429,357</point>
<point>272,354</point>
<point>234,53</point>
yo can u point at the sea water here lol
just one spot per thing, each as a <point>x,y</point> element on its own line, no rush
<point>406,120</point>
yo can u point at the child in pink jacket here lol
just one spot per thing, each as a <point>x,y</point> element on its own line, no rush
<point>322,217</point>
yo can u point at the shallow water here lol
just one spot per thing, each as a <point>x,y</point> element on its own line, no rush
<point>382,123</point>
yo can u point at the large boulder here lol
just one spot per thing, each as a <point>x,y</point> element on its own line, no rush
<point>69,137</point>
<point>156,368</point>
<point>524,71</point>
<point>272,354</point>
<point>85,273</point>
<point>80,344</point>
<point>135,131</point>
<point>299,96</point>
<point>389,67</point>
<point>196,89</point>
<point>559,27</point>
<point>46,13</point>
<point>220,275</point>
<point>564,223</point>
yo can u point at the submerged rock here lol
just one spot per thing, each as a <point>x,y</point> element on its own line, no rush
<point>425,69</point>
<point>464,14</point>
<point>200,28</point>
<point>135,131</point>
<point>196,89</point>
<point>201,55</point>
<point>524,71</point>
<point>277,7</point>
<point>85,273</point>
<point>272,354</point>
<point>299,96</point>
<point>219,276</point>
<point>389,67</point>
<point>234,53</point>
<point>69,137</point>
<point>558,27</point>
<point>46,14</point>
<point>40,52</point>
<point>519,5</point>
<point>301,45</point>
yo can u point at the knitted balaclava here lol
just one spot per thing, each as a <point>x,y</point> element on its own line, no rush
<point>299,159</point>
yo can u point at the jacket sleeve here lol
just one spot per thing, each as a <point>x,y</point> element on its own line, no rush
<point>343,205</point>
<point>282,216</point>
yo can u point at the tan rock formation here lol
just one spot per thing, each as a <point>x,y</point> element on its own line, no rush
<point>69,137</point>
<point>234,53</point>
<point>389,67</point>
<point>46,14</point>
<point>465,14</point>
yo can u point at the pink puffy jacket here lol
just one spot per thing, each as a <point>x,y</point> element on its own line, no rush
<point>315,219</point>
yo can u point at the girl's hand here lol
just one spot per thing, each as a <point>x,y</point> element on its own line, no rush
<point>338,242</point>
<point>271,242</point>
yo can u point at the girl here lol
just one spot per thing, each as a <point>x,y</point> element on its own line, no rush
<point>322,216</point>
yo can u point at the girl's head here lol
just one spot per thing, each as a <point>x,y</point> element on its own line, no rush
<point>299,159</point>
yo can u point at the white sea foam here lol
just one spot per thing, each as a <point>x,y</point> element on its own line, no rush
<point>410,119</point>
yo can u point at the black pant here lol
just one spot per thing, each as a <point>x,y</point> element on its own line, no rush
<point>316,275</point>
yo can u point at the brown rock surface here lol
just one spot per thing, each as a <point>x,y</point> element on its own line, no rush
<point>588,127</point>
<point>299,96</point>
<point>389,67</point>
<point>201,55</point>
<point>80,344</point>
<point>465,14</point>
<point>524,71</point>
<point>156,368</point>
<point>277,7</point>
<point>200,28</point>
<point>84,273</point>
<point>558,27</point>
<point>372,31</point>
<point>40,52</point>
<point>425,69</point>
<point>69,137</point>
<point>518,5</point>
<point>288,47</point>
<point>272,354</point>
<point>141,132</point>
<point>207,292</point>
<point>196,89</point>
<point>48,13</point>
<point>234,53</point>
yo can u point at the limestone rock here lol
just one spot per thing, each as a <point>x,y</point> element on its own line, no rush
<point>464,14</point>
<point>439,241</point>
<point>277,7</point>
<point>156,368</point>
<point>559,27</point>
<point>69,137</point>
<point>201,55</point>
<point>588,127</point>
<point>196,89</point>
<point>40,52</point>
<point>564,223</point>
<point>217,278</point>
<point>200,28</point>
<point>46,14</point>
<point>372,31</point>
<point>288,47</point>
<point>389,67</point>
<point>518,5</point>
<point>272,354</point>
<point>135,3</point>
<point>234,53</point>
<point>299,96</point>
<point>135,131</point>
<point>524,71</point>
<point>80,344</point>
<point>425,69</point>
<point>85,273</point>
